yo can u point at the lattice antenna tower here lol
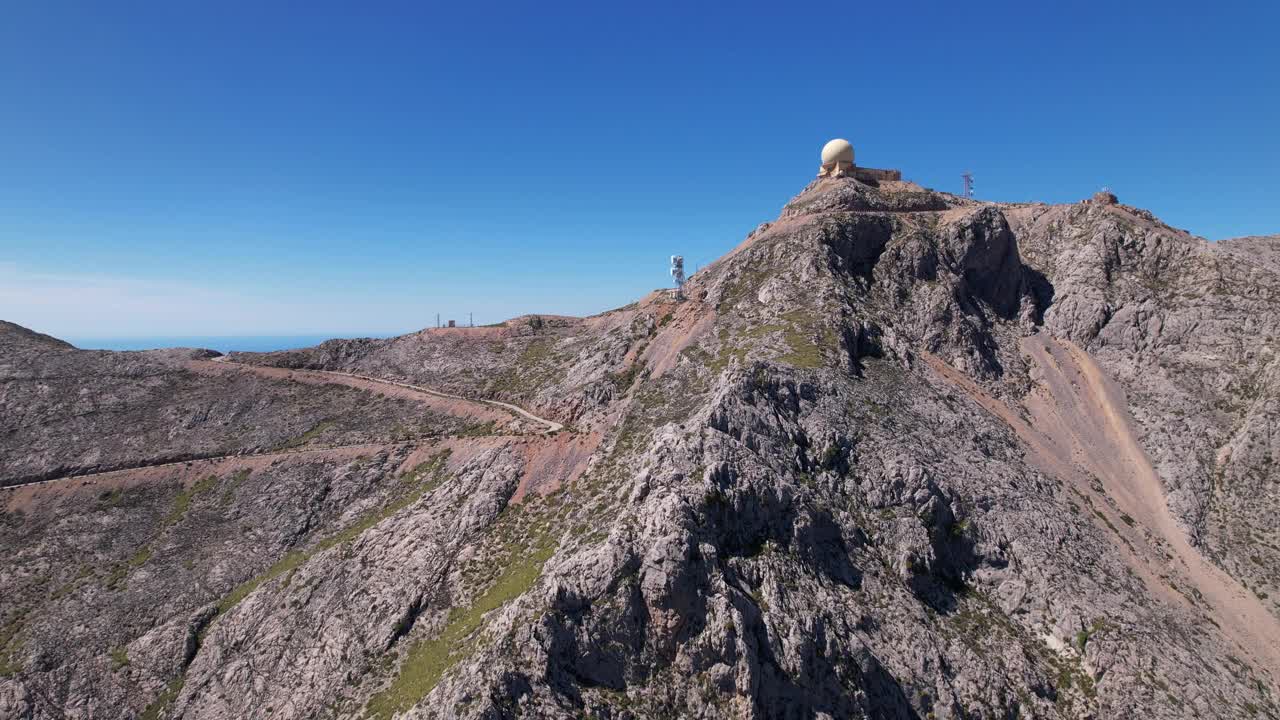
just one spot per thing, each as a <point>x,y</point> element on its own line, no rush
<point>677,274</point>
<point>968,184</point>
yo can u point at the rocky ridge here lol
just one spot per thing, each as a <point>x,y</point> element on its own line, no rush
<point>900,455</point>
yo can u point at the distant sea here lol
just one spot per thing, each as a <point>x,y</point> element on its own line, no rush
<point>223,343</point>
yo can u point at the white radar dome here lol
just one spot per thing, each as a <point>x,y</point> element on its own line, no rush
<point>838,150</point>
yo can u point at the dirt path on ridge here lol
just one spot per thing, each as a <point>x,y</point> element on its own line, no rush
<point>482,410</point>
<point>24,494</point>
<point>499,413</point>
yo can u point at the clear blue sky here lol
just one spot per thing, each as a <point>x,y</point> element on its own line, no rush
<point>254,167</point>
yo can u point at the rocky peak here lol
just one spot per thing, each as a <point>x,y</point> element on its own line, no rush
<point>850,194</point>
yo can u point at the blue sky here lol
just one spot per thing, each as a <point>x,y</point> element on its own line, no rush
<point>238,168</point>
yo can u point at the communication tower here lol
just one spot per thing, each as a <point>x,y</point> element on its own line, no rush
<point>677,274</point>
<point>968,184</point>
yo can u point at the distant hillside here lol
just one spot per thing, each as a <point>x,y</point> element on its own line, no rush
<point>15,338</point>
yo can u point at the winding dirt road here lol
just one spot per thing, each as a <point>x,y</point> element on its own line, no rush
<point>454,404</point>
<point>201,464</point>
<point>481,410</point>
<point>551,425</point>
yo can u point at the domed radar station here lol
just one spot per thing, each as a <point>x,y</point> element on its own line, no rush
<point>837,162</point>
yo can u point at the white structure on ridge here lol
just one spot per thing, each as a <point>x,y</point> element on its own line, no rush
<point>677,274</point>
<point>837,162</point>
<point>837,159</point>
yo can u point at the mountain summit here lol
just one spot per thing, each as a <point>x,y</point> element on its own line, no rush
<point>900,454</point>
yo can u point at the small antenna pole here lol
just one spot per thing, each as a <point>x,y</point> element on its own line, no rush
<point>471,319</point>
<point>677,274</point>
<point>968,183</point>
<point>437,319</point>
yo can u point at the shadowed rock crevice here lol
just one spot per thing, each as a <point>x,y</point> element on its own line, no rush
<point>856,242</point>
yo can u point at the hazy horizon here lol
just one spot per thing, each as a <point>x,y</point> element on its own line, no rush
<point>221,343</point>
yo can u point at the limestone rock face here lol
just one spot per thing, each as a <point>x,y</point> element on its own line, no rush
<point>899,455</point>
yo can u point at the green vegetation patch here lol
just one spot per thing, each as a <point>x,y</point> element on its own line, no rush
<point>182,502</point>
<point>11,644</point>
<point>805,353</point>
<point>1082,637</point>
<point>85,571</point>
<point>718,362</point>
<point>477,430</point>
<point>808,338</point>
<point>120,657</point>
<point>305,438</point>
<point>1073,674</point>
<point>536,352</point>
<point>291,561</point>
<point>140,558</point>
<point>730,348</point>
<point>624,379</point>
<point>230,487</point>
<point>428,660</point>
<point>156,709</point>
<point>115,578</point>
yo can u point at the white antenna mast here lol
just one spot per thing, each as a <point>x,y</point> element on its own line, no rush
<point>677,274</point>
